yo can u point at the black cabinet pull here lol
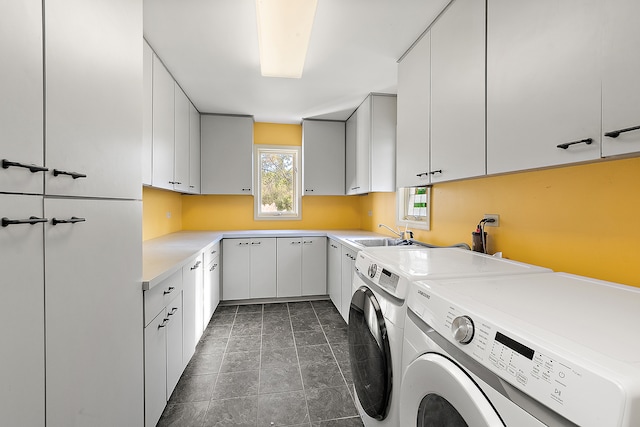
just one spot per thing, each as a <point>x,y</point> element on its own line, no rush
<point>173,311</point>
<point>435,172</point>
<point>196,265</point>
<point>32,168</point>
<point>71,220</point>
<point>164,323</point>
<point>74,175</point>
<point>31,220</point>
<point>616,133</point>
<point>309,189</point>
<point>213,267</point>
<point>566,145</point>
<point>168,291</point>
<point>422,174</point>
<point>246,189</point>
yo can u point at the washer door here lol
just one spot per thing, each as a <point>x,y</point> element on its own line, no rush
<point>369,353</point>
<point>437,392</point>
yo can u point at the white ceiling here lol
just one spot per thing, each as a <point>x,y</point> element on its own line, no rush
<point>211,48</point>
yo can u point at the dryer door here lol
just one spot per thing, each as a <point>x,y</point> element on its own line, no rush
<point>369,353</point>
<point>437,392</point>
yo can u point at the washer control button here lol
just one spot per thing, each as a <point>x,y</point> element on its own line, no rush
<point>373,269</point>
<point>462,328</point>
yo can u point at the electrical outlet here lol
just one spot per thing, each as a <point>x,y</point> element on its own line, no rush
<point>496,219</point>
<point>168,215</point>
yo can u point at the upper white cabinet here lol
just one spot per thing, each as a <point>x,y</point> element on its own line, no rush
<point>375,146</point>
<point>543,83</point>
<point>227,154</point>
<point>182,118</point>
<point>147,113</point>
<point>93,101</point>
<point>323,152</point>
<point>620,82</point>
<point>163,126</point>
<point>194,150</point>
<point>21,83</point>
<point>457,93</point>
<point>412,146</point>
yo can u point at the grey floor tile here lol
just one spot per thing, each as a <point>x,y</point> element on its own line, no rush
<point>244,343</point>
<point>343,422</point>
<point>203,364</point>
<point>250,308</point>
<point>236,384</point>
<point>335,335</point>
<point>300,306</point>
<point>276,326</point>
<point>282,409</point>
<point>246,328</point>
<point>335,321</point>
<point>274,341</point>
<point>212,345</point>
<point>240,361</point>
<point>321,375</point>
<point>340,351</point>
<point>304,324</point>
<point>345,367</point>
<point>183,414</point>
<point>280,379</point>
<point>312,337</point>
<point>330,403</point>
<point>194,389</point>
<point>322,304</point>
<point>218,331</point>
<point>277,306</point>
<point>222,319</point>
<point>226,309</point>
<point>268,316</point>
<point>238,412</point>
<point>249,317</point>
<point>315,354</point>
<point>278,357</point>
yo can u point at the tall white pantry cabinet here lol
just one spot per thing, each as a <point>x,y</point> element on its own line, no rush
<point>70,204</point>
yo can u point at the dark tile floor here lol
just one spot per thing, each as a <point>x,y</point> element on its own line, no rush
<point>281,364</point>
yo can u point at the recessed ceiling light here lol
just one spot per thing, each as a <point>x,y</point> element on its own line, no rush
<point>284,29</point>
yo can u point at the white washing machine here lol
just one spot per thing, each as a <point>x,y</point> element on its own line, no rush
<point>548,349</point>
<point>377,315</point>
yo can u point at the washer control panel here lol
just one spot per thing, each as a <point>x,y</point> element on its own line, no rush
<point>566,387</point>
<point>378,274</point>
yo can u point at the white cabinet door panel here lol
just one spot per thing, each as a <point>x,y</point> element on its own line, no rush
<point>236,256</point>
<point>334,273</point>
<point>314,266</point>
<point>163,126</point>
<point>263,268</point>
<point>323,150</point>
<point>22,394</point>
<point>182,118</point>
<point>382,156</point>
<point>174,330</point>
<point>351,183</point>
<point>363,147</point>
<point>21,88</point>
<point>147,113</point>
<point>93,102</point>
<point>289,270</point>
<point>155,369</point>
<point>194,150</point>
<point>93,314</point>
<point>348,262</point>
<point>543,83</point>
<point>211,294</point>
<point>192,282</point>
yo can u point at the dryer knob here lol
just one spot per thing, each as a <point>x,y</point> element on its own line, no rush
<point>462,328</point>
<point>373,269</point>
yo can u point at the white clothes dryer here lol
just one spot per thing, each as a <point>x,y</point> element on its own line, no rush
<point>548,349</point>
<point>377,315</point>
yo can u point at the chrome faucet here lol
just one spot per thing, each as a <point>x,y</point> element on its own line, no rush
<point>401,234</point>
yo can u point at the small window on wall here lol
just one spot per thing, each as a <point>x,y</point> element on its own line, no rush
<point>414,207</point>
<point>278,182</point>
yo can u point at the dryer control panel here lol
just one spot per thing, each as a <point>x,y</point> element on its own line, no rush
<point>567,387</point>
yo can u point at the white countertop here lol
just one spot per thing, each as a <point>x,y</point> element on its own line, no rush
<point>163,256</point>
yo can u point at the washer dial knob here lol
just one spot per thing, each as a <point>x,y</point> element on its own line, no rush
<point>462,328</point>
<point>373,269</point>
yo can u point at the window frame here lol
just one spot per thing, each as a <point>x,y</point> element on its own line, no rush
<point>401,214</point>
<point>296,151</point>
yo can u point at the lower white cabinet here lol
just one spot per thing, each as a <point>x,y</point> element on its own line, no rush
<point>334,272</point>
<point>249,268</point>
<point>175,336</point>
<point>301,266</point>
<point>211,286</point>
<point>348,262</point>
<point>22,394</point>
<point>314,266</point>
<point>289,267</point>
<point>192,280</point>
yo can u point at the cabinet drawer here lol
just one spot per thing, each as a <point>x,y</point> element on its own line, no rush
<point>157,298</point>
<point>211,253</point>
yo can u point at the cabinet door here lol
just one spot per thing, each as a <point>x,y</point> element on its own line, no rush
<point>163,126</point>
<point>93,102</point>
<point>348,261</point>
<point>182,126</point>
<point>351,185</point>
<point>381,162</point>
<point>323,166</point>
<point>194,150</point>
<point>174,329</point>
<point>620,83</point>
<point>93,313</point>
<point>22,394</point>
<point>211,294</point>
<point>263,268</point>
<point>289,262</point>
<point>227,154</point>
<point>147,113</point>
<point>363,146</point>
<point>543,83</point>
<point>458,92</point>
<point>21,89</point>
<point>412,145</point>
<point>314,266</point>
<point>192,282</point>
<point>236,260</point>
<point>334,273</point>
<point>155,369</point>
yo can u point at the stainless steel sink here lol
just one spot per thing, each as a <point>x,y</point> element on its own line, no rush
<point>383,241</point>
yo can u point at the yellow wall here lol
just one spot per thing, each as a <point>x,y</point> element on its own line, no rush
<point>580,219</point>
<point>161,212</point>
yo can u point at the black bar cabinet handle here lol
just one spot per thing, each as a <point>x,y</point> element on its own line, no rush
<point>169,290</point>
<point>435,172</point>
<point>31,220</point>
<point>71,220</point>
<point>32,168</point>
<point>566,145</point>
<point>74,175</point>
<point>616,133</point>
<point>422,174</point>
